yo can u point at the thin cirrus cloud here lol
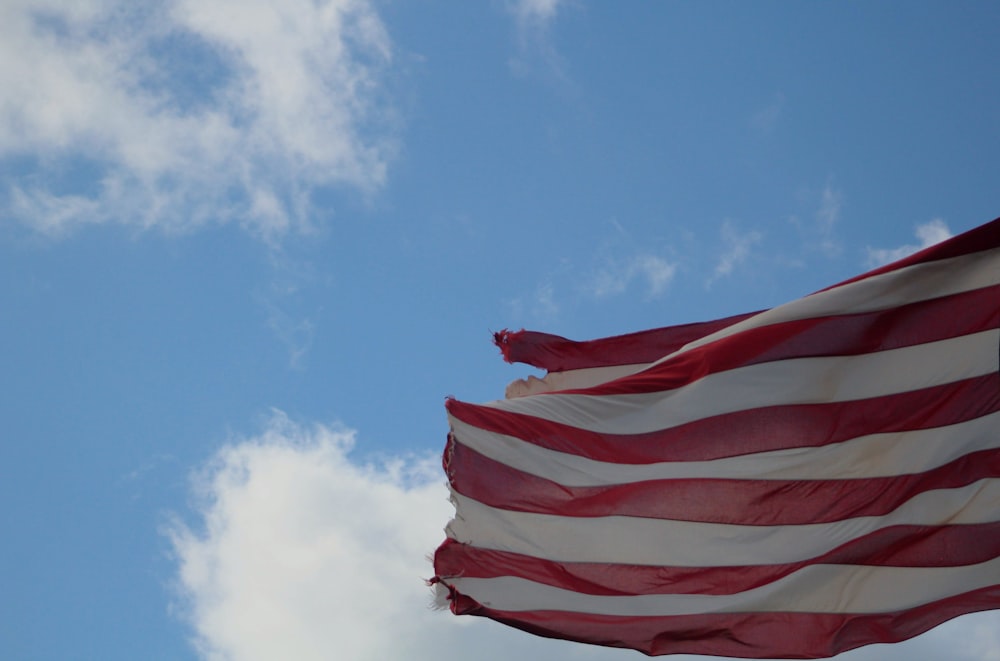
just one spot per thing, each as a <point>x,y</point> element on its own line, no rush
<point>929,233</point>
<point>765,120</point>
<point>534,12</point>
<point>737,245</point>
<point>191,112</point>
<point>826,220</point>
<point>820,235</point>
<point>654,272</point>
<point>532,20</point>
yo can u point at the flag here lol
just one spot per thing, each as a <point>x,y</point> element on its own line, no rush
<point>791,483</point>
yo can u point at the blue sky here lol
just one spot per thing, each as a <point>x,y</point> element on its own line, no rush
<point>248,248</point>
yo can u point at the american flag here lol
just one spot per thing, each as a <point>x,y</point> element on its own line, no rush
<point>792,483</point>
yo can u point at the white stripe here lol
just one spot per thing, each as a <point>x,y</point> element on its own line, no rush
<point>875,455</point>
<point>920,282</point>
<point>643,541</point>
<point>570,379</point>
<point>792,381</point>
<point>814,589</point>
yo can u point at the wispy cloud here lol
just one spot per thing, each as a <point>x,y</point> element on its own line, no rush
<point>820,234</point>
<point>295,333</point>
<point>545,305</point>
<point>533,19</point>
<point>285,304</point>
<point>615,277</point>
<point>541,306</point>
<point>736,249</point>
<point>619,265</point>
<point>192,112</point>
<point>537,13</point>
<point>826,219</point>
<point>766,119</point>
<point>929,233</point>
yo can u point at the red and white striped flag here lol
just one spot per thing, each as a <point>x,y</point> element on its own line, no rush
<point>791,483</point>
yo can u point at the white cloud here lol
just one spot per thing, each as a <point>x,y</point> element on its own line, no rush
<point>178,114</point>
<point>929,233</point>
<point>737,249</point>
<point>304,552</point>
<point>615,278</point>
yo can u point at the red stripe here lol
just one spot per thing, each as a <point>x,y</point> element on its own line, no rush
<point>898,546</point>
<point>842,335</point>
<point>755,430</point>
<point>743,635</point>
<point>557,354</point>
<point>736,501</point>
